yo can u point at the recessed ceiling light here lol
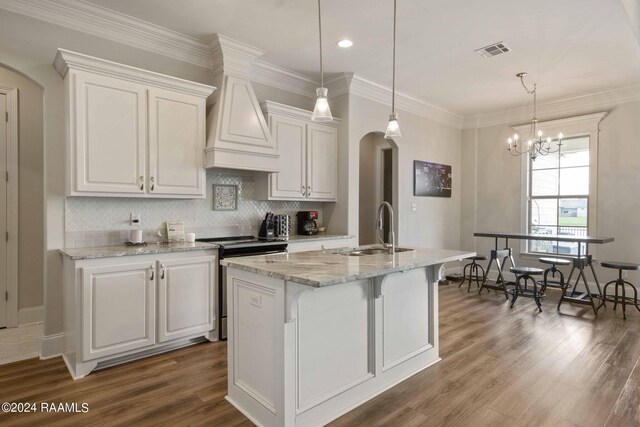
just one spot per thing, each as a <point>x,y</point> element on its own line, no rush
<point>345,43</point>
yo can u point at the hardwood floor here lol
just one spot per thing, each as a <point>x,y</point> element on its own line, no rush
<point>499,367</point>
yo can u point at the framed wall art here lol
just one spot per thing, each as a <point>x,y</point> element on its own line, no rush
<point>431,179</point>
<point>225,197</point>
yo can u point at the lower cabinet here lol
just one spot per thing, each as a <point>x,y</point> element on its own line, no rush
<point>185,297</point>
<point>115,308</point>
<point>118,309</point>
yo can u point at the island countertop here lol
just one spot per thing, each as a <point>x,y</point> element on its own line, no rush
<point>332,267</point>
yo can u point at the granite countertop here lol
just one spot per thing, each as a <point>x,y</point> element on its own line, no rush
<point>332,267</point>
<point>124,250</point>
<point>298,238</point>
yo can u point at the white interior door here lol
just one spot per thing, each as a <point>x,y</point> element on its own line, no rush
<point>3,211</point>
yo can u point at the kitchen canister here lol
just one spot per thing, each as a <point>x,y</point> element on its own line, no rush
<point>283,225</point>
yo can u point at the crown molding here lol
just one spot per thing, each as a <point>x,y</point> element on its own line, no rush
<point>275,108</point>
<point>561,107</point>
<point>66,60</point>
<point>232,57</point>
<point>355,84</point>
<point>283,78</point>
<point>98,21</point>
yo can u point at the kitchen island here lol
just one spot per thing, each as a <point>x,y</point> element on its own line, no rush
<point>313,335</point>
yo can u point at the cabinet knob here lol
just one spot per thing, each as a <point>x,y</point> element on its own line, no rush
<point>153,271</point>
<point>141,183</point>
<point>153,184</point>
<point>162,271</point>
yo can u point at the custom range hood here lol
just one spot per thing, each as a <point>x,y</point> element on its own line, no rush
<point>237,134</point>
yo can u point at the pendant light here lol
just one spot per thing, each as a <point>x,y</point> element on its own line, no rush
<point>321,112</point>
<point>393,128</point>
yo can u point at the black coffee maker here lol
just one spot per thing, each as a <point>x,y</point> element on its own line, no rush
<point>307,223</point>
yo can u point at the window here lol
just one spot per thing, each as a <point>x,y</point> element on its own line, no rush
<point>559,196</point>
<point>559,190</point>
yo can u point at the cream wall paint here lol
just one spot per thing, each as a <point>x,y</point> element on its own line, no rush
<point>492,194</point>
<point>436,222</point>
<point>31,188</point>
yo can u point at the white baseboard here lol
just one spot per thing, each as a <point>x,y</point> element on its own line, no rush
<point>29,315</point>
<point>52,346</point>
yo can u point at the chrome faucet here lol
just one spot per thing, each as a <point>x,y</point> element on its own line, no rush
<point>392,236</point>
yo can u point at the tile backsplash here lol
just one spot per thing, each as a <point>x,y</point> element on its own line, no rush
<point>96,221</point>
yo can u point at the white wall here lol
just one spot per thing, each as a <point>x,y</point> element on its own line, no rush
<point>436,222</point>
<point>491,182</point>
<point>31,188</point>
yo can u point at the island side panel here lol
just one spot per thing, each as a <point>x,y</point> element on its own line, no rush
<point>255,346</point>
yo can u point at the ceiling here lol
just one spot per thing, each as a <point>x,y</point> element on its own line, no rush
<point>569,47</point>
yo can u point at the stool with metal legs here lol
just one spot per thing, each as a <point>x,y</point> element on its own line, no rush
<point>620,287</point>
<point>580,264</point>
<point>499,257</point>
<point>474,269</point>
<point>558,284</point>
<point>526,274</point>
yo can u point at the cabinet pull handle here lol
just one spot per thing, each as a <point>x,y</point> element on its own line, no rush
<point>304,193</point>
<point>153,271</point>
<point>153,184</point>
<point>141,183</point>
<point>162,272</point>
<point>308,191</point>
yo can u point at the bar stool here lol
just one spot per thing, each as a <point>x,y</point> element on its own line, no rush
<point>473,267</point>
<point>557,284</point>
<point>619,284</point>
<point>526,274</point>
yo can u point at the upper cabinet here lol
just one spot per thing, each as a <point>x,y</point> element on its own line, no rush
<point>132,132</point>
<point>308,159</point>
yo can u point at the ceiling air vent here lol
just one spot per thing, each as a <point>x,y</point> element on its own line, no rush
<point>493,50</point>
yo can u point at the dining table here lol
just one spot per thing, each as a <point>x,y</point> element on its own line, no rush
<point>581,261</point>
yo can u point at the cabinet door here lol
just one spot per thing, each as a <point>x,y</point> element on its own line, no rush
<point>322,162</point>
<point>108,141</point>
<point>290,138</point>
<point>176,144</point>
<point>186,300</point>
<point>118,309</point>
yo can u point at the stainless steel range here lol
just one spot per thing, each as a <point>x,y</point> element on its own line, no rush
<point>236,246</point>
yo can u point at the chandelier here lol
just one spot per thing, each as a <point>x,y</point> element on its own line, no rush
<point>534,144</point>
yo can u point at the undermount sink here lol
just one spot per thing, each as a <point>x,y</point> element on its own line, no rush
<point>374,251</point>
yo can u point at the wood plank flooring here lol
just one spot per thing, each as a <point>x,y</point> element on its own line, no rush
<point>500,367</point>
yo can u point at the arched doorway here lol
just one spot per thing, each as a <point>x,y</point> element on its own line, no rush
<point>378,182</point>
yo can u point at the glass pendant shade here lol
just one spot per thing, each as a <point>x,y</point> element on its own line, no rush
<point>322,112</point>
<point>393,128</point>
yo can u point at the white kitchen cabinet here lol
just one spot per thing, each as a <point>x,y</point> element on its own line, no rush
<point>118,309</point>
<point>322,162</point>
<point>185,297</point>
<point>122,308</point>
<point>109,137</point>
<point>308,157</point>
<point>132,132</point>
<point>176,135</point>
